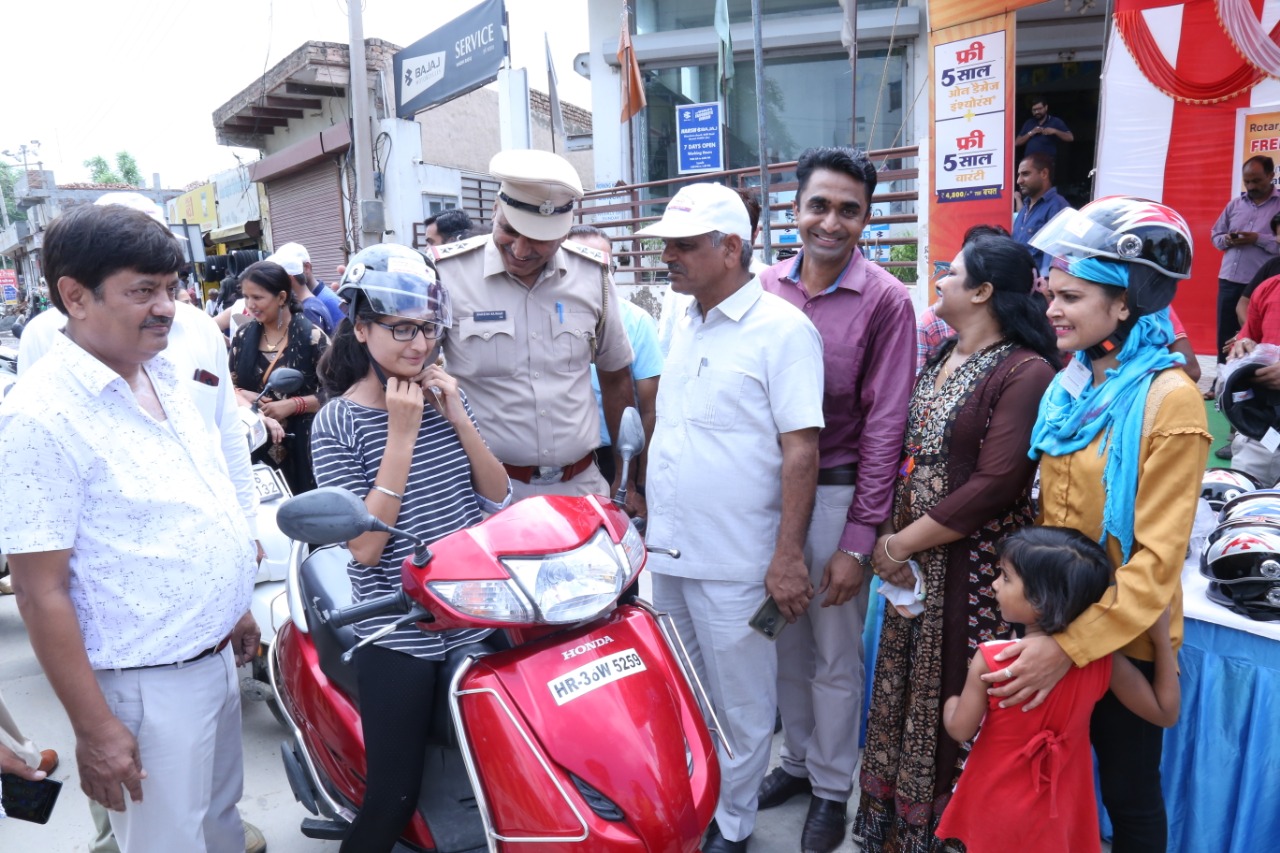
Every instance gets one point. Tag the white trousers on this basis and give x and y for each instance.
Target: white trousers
(739, 668)
(187, 723)
(1252, 458)
(821, 680)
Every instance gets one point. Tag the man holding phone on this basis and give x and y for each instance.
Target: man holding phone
(731, 478)
(1244, 236)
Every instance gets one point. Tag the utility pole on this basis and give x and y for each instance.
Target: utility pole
(361, 138)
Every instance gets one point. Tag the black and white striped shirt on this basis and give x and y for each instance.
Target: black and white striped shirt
(347, 443)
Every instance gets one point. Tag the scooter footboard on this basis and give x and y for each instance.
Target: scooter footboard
(589, 740)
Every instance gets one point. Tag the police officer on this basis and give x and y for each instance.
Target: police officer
(531, 314)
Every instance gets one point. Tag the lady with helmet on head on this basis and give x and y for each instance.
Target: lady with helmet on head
(398, 432)
(1122, 440)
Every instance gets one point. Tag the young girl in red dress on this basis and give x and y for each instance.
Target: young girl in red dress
(1028, 783)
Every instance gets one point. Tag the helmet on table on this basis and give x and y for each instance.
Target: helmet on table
(1260, 502)
(395, 281)
(1222, 484)
(1243, 568)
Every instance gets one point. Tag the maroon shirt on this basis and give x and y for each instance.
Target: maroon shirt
(868, 330)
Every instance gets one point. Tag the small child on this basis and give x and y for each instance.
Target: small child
(1028, 782)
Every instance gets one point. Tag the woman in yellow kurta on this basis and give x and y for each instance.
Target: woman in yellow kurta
(1123, 440)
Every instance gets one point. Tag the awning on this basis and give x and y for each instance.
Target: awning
(250, 229)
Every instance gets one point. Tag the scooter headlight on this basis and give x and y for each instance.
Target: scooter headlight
(575, 585)
(633, 546)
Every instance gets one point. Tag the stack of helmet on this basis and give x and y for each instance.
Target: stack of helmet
(1241, 558)
(1221, 485)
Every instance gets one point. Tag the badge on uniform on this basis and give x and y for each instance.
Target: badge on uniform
(489, 316)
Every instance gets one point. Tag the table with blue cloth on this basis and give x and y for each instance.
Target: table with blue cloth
(1221, 766)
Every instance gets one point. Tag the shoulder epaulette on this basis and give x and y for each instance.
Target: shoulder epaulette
(452, 250)
(586, 252)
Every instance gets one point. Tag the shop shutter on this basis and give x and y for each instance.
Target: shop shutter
(306, 208)
(478, 195)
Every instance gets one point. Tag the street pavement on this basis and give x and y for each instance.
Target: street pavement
(268, 801)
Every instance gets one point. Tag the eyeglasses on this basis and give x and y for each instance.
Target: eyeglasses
(405, 332)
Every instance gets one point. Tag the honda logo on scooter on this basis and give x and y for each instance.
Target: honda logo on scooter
(588, 646)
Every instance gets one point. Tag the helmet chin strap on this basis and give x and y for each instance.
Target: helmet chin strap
(382, 374)
(1112, 342)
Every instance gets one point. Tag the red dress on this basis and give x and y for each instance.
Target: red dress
(1028, 783)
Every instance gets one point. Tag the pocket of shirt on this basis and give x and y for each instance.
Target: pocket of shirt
(842, 363)
(572, 339)
(489, 347)
(712, 398)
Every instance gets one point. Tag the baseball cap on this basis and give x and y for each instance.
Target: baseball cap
(537, 192)
(700, 209)
(291, 256)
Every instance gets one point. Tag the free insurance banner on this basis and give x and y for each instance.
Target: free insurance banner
(971, 132)
(699, 138)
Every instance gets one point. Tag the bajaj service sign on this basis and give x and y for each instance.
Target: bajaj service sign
(462, 55)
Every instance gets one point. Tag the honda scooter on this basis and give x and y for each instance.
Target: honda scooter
(576, 726)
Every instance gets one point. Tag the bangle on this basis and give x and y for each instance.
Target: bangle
(299, 405)
(387, 492)
(890, 556)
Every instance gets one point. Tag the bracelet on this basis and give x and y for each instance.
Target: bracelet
(299, 405)
(890, 556)
(388, 492)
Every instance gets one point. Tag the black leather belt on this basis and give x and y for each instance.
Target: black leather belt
(212, 650)
(840, 475)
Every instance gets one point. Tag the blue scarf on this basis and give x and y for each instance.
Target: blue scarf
(1115, 410)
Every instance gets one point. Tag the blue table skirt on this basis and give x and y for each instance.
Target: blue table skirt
(1221, 767)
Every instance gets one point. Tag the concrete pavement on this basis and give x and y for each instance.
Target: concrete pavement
(267, 801)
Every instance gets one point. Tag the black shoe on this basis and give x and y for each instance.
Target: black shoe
(720, 844)
(1223, 452)
(780, 786)
(823, 827)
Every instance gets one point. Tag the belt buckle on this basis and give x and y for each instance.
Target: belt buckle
(545, 475)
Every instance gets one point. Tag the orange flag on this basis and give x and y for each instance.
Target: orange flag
(633, 100)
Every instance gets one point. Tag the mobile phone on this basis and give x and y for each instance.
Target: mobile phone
(768, 619)
(27, 800)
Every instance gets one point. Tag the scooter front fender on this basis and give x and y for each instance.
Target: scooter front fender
(561, 730)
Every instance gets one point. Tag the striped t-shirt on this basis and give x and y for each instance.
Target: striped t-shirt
(347, 443)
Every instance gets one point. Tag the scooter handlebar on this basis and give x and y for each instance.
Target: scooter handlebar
(392, 604)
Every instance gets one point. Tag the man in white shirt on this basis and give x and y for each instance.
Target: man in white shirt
(131, 558)
(732, 476)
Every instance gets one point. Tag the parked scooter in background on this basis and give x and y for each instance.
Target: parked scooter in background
(268, 604)
(575, 727)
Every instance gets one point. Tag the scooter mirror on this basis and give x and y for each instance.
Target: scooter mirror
(284, 381)
(630, 434)
(325, 516)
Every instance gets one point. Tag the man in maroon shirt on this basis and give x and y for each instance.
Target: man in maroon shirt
(867, 324)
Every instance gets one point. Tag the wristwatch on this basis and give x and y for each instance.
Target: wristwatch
(864, 559)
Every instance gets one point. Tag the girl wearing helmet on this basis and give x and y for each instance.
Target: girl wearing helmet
(398, 432)
(1122, 438)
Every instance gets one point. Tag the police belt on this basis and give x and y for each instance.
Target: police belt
(541, 475)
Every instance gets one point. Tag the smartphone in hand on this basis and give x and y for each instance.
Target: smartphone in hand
(27, 800)
(768, 619)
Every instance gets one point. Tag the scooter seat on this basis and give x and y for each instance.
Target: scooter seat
(326, 586)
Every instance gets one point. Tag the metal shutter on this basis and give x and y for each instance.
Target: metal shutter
(306, 208)
(478, 195)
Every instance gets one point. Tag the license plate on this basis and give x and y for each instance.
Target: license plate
(594, 675)
(264, 479)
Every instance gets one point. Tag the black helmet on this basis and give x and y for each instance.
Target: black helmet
(1262, 502)
(1242, 565)
(395, 281)
(1222, 484)
(1151, 237)
(1251, 408)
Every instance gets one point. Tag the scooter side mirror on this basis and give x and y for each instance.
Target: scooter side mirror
(325, 516)
(630, 434)
(284, 381)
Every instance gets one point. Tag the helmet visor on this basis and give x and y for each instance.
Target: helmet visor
(411, 295)
(1074, 236)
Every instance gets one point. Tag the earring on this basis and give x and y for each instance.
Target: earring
(279, 321)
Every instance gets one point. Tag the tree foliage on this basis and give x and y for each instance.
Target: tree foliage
(8, 177)
(125, 172)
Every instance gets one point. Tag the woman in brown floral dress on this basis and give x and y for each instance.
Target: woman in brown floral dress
(964, 484)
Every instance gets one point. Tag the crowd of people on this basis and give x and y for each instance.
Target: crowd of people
(808, 434)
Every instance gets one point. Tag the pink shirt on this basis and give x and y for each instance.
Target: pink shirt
(868, 334)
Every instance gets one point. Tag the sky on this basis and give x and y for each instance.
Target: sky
(89, 77)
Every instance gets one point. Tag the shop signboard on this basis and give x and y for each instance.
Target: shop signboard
(460, 56)
(699, 138)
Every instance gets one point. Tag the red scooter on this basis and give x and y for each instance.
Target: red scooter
(574, 727)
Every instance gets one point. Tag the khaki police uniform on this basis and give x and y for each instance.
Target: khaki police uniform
(523, 356)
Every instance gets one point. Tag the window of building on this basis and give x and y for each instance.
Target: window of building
(808, 101)
(434, 205)
(655, 16)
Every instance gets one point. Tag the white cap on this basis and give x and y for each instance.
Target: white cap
(700, 209)
(134, 201)
(291, 256)
(537, 193)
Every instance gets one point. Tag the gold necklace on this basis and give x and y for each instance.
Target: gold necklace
(272, 347)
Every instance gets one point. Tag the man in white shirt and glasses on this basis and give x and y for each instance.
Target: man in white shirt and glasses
(131, 558)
